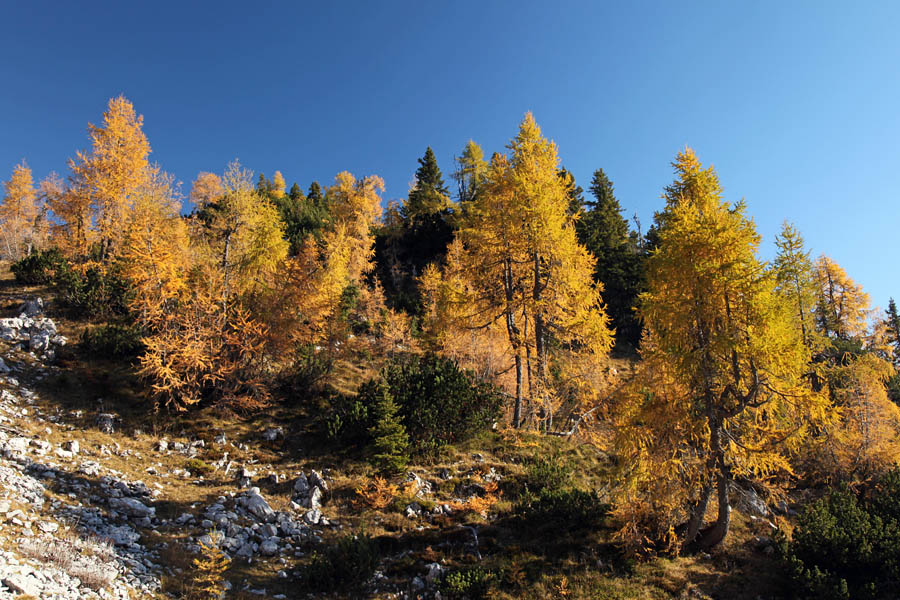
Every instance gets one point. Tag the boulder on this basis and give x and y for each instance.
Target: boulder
(273, 433)
(315, 498)
(269, 547)
(32, 308)
(106, 422)
(123, 535)
(257, 505)
(26, 585)
(301, 486)
(132, 507)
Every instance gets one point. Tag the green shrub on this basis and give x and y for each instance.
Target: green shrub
(473, 583)
(197, 466)
(112, 341)
(570, 508)
(847, 545)
(348, 564)
(548, 472)
(440, 404)
(96, 294)
(349, 421)
(311, 365)
(39, 267)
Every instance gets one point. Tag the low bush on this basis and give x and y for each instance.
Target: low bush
(112, 341)
(548, 472)
(346, 565)
(570, 508)
(440, 404)
(348, 420)
(473, 583)
(98, 293)
(437, 403)
(39, 267)
(847, 545)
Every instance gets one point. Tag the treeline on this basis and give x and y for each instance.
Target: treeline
(752, 374)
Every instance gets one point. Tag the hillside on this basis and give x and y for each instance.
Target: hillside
(102, 499)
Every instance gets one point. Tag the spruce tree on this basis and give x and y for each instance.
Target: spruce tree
(430, 195)
(296, 193)
(263, 186)
(893, 324)
(604, 232)
(426, 229)
(315, 195)
(390, 442)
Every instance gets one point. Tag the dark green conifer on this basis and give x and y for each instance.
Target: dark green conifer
(390, 442)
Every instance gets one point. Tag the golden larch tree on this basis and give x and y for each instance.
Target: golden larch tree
(113, 171)
(852, 365)
(518, 262)
(720, 396)
(19, 212)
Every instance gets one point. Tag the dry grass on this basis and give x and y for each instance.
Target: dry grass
(89, 559)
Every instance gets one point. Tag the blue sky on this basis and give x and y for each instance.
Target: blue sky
(797, 104)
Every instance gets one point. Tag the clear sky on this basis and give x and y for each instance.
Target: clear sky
(797, 104)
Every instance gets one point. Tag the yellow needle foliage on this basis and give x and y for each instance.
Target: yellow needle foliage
(109, 176)
(852, 366)
(19, 213)
(720, 395)
(517, 264)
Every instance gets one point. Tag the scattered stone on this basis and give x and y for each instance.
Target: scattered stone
(106, 422)
(26, 585)
(272, 434)
(72, 446)
(48, 526)
(32, 308)
(132, 507)
(256, 504)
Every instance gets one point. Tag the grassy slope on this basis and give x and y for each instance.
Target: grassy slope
(532, 561)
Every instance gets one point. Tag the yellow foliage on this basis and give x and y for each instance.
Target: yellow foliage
(517, 265)
(210, 570)
(865, 441)
(378, 494)
(19, 213)
(721, 394)
(107, 178)
(207, 188)
(278, 185)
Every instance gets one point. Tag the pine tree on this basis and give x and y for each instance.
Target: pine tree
(892, 321)
(390, 442)
(263, 186)
(842, 307)
(517, 261)
(315, 194)
(424, 231)
(278, 185)
(605, 233)
(210, 569)
(471, 169)
(429, 195)
(296, 193)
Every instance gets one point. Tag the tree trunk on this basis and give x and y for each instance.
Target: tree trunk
(513, 333)
(715, 534)
(696, 520)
